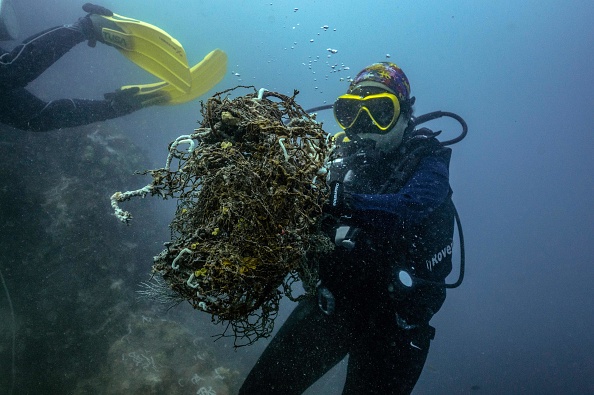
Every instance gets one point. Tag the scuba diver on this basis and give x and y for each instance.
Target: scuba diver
(391, 216)
(146, 45)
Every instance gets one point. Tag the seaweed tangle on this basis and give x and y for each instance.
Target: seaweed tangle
(250, 183)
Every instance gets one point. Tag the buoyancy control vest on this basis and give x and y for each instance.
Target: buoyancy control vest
(368, 261)
(405, 284)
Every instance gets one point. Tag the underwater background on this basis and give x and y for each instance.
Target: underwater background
(519, 73)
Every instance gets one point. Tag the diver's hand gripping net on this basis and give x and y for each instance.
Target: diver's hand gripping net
(250, 184)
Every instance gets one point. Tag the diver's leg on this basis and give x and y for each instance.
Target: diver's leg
(387, 359)
(307, 345)
(31, 58)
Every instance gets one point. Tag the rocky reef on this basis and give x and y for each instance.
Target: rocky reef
(159, 356)
(72, 271)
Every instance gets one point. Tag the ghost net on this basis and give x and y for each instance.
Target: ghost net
(250, 184)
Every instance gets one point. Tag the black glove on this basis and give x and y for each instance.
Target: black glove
(340, 201)
(86, 25)
(96, 9)
(125, 101)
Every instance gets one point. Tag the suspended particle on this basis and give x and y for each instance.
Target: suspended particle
(325, 27)
(332, 50)
(387, 56)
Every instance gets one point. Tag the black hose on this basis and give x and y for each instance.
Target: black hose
(319, 108)
(462, 255)
(438, 114)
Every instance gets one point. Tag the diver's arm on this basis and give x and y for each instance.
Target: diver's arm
(23, 110)
(31, 58)
(66, 113)
(426, 190)
(424, 194)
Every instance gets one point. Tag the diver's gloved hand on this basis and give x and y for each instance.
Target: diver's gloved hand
(96, 9)
(125, 101)
(90, 24)
(340, 200)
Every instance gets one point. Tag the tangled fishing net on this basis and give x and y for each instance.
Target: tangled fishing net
(250, 184)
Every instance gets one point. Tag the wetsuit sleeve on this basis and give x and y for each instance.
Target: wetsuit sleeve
(31, 58)
(426, 190)
(24, 111)
(21, 109)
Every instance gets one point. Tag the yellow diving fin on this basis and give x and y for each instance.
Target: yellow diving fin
(204, 76)
(150, 47)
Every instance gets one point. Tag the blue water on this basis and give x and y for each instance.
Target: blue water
(521, 75)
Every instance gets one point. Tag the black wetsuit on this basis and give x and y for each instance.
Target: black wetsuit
(384, 329)
(23, 110)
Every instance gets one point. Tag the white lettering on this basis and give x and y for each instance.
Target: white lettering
(335, 197)
(437, 258)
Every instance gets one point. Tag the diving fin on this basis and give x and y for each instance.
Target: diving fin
(203, 76)
(150, 47)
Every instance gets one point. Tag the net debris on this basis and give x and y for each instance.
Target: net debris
(250, 183)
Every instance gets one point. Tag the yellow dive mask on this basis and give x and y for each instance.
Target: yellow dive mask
(382, 108)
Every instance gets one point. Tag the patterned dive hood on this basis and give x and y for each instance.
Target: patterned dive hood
(387, 74)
